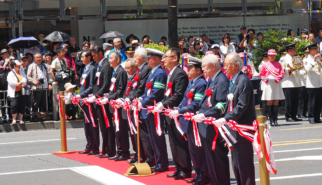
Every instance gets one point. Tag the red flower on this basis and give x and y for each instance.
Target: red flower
(148, 85)
(136, 78)
(190, 95)
(208, 92)
(129, 84)
(170, 84)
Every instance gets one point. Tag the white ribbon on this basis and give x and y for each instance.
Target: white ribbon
(116, 120)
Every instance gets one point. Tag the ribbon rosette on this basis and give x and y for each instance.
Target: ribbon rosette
(149, 86)
(112, 87)
(85, 100)
(126, 106)
(189, 96)
(101, 103)
(135, 107)
(98, 74)
(209, 94)
(75, 101)
(188, 116)
(136, 79)
(169, 90)
(128, 88)
(230, 97)
(60, 110)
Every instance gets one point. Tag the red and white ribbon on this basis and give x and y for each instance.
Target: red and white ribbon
(136, 79)
(188, 116)
(135, 106)
(176, 121)
(269, 156)
(149, 86)
(190, 97)
(156, 119)
(231, 103)
(75, 101)
(169, 90)
(100, 102)
(126, 107)
(209, 94)
(98, 74)
(128, 88)
(113, 104)
(112, 87)
(83, 82)
(60, 110)
(85, 100)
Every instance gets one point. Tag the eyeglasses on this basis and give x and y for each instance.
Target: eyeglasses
(165, 57)
(127, 68)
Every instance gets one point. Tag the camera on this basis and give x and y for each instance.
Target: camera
(41, 81)
(248, 36)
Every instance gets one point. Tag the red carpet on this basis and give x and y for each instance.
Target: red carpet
(121, 167)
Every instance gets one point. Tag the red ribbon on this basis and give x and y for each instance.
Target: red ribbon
(188, 116)
(75, 101)
(178, 124)
(60, 110)
(99, 102)
(209, 94)
(85, 100)
(135, 105)
(189, 96)
(116, 116)
(209, 121)
(128, 88)
(169, 90)
(156, 119)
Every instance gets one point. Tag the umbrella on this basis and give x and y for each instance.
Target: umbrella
(58, 36)
(111, 34)
(23, 42)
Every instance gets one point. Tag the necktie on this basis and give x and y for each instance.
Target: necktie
(210, 81)
(84, 71)
(137, 73)
(113, 72)
(230, 85)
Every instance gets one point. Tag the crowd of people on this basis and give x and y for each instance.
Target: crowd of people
(123, 87)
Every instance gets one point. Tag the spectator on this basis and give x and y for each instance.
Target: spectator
(161, 43)
(136, 44)
(30, 58)
(16, 80)
(32, 50)
(215, 49)
(225, 46)
(208, 41)
(304, 34)
(92, 44)
(24, 67)
(164, 38)
(260, 36)
(290, 33)
(252, 43)
(318, 39)
(4, 70)
(48, 58)
(311, 37)
(78, 60)
(107, 48)
(241, 38)
(117, 47)
(71, 109)
(70, 64)
(128, 40)
(191, 50)
(39, 76)
(72, 48)
(150, 41)
(145, 40)
(181, 42)
(59, 64)
(55, 46)
(191, 40)
(196, 47)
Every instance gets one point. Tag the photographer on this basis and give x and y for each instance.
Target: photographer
(40, 78)
(59, 69)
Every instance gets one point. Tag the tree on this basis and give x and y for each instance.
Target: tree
(172, 23)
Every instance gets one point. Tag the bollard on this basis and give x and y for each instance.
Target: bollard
(263, 173)
(55, 101)
(63, 127)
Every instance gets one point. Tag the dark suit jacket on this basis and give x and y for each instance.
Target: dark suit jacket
(220, 87)
(244, 108)
(143, 76)
(120, 85)
(131, 91)
(79, 64)
(105, 79)
(87, 88)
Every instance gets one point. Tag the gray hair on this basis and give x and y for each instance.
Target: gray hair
(117, 55)
(211, 59)
(235, 58)
(116, 40)
(141, 52)
(131, 61)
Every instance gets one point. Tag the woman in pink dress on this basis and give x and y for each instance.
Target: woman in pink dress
(272, 73)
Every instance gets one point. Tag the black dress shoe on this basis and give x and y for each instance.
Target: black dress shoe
(160, 169)
(114, 157)
(104, 156)
(194, 179)
(201, 182)
(122, 158)
(93, 153)
(311, 122)
(182, 175)
(297, 119)
(300, 116)
(150, 162)
(97, 155)
(133, 160)
(84, 152)
(177, 172)
(289, 120)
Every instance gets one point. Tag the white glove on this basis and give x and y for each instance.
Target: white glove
(104, 101)
(174, 114)
(92, 99)
(159, 108)
(140, 106)
(127, 99)
(271, 78)
(119, 103)
(78, 96)
(199, 118)
(140, 99)
(220, 122)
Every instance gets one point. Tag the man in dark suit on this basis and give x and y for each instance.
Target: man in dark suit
(190, 103)
(154, 92)
(78, 60)
(243, 112)
(176, 86)
(117, 90)
(217, 160)
(101, 82)
(86, 88)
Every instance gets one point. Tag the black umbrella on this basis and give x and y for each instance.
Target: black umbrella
(58, 36)
(111, 34)
(23, 42)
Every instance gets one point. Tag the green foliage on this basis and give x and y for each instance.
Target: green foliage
(276, 40)
(199, 56)
(164, 49)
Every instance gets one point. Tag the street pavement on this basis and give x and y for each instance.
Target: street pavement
(25, 157)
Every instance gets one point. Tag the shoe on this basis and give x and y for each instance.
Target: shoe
(275, 114)
(14, 122)
(201, 182)
(93, 153)
(104, 156)
(114, 157)
(177, 172)
(296, 119)
(122, 158)
(311, 122)
(21, 122)
(84, 152)
(160, 169)
(150, 162)
(300, 116)
(194, 179)
(270, 115)
(182, 175)
(318, 121)
(133, 160)
(289, 120)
